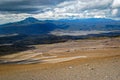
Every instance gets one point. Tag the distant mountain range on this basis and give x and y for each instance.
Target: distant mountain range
(32, 26)
(20, 36)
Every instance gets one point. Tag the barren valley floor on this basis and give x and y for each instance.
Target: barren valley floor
(90, 59)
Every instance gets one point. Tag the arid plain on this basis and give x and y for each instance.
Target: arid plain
(89, 59)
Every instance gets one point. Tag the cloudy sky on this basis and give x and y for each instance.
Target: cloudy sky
(15, 10)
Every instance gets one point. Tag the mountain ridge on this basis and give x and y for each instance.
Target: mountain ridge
(32, 25)
(31, 20)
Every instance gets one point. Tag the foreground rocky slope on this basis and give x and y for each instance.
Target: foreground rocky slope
(90, 59)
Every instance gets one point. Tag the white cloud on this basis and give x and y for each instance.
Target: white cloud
(114, 12)
(79, 9)
(72, 9)
(78, 5)
(116, 4)
(6, 18)
(115, 9)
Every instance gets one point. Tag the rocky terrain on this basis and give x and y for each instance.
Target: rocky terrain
(89, 59)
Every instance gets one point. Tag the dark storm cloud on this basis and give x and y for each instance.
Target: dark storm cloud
(26, 6)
